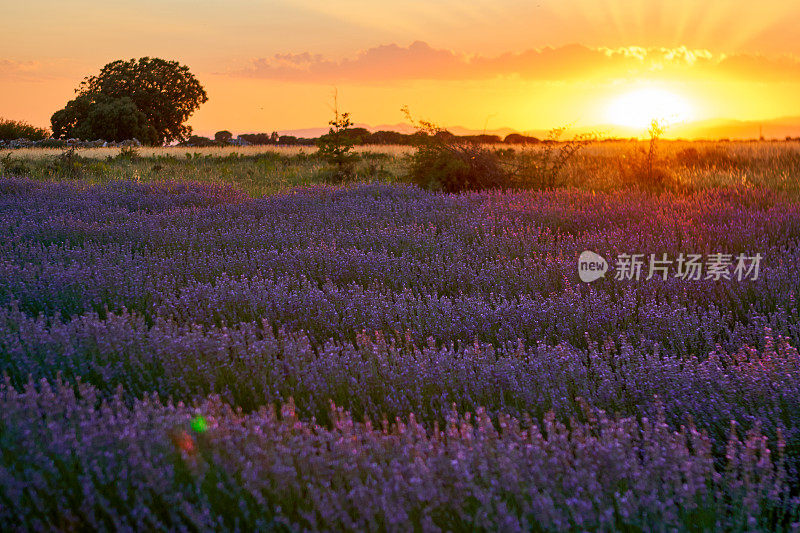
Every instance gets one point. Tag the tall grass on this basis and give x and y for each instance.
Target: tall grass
(266, 170)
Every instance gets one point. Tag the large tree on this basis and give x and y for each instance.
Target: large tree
(165, 92)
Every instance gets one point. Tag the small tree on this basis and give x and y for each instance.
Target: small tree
(337, 147)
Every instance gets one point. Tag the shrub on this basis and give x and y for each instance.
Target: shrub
(357, 135)
(68, 165)
(452, 165)
(542, 167)
(128, 153)
(445, 162)
(15, 166)
(291, 140)
(17, 129)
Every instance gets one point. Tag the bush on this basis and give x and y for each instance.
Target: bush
(128, 153)
(67, 165)
(542, 167)
(223, 136)
(15, 166)
(449, 163)
(452, 165)
(17, 129)
(445, 162)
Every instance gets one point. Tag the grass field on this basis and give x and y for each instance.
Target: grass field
(193, 342)
(266, 170)
(258, 171)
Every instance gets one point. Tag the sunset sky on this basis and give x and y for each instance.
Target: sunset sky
(481, 64)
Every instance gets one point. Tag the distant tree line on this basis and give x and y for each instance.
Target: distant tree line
(355, 136)
(18, 129)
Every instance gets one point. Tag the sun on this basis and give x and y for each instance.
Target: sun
(637, 109)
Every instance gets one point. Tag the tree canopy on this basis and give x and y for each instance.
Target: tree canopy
(164, 92)
(103, 117)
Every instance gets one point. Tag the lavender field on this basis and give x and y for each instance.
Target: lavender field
(377, 357)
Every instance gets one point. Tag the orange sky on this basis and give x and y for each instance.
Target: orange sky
(500, 63)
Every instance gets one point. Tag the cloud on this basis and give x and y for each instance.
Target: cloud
(417, 61)
(10, 68)
(37, 71)
(420, 61)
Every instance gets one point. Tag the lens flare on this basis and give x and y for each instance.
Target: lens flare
(199, 424)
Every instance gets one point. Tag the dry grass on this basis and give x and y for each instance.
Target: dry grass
(213, 151)
(746, 149)
(268, 169)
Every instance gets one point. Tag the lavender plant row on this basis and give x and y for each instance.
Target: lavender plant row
(79, 462)
(392, 303)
